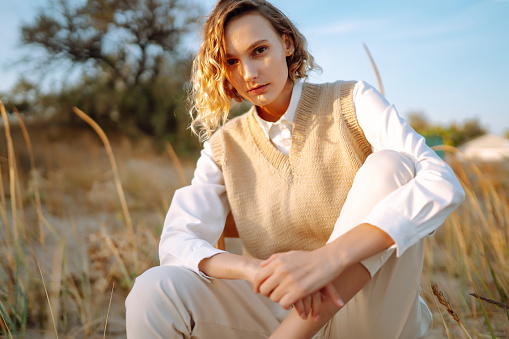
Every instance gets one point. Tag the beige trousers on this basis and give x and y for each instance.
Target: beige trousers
(174, 302)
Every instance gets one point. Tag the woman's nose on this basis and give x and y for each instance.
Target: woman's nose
(250, 71)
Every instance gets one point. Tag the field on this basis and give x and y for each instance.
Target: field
(80, 220)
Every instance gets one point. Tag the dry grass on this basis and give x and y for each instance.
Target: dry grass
(63, 203)
(81, 205)
(469, 253)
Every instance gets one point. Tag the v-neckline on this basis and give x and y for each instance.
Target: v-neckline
(286, 164)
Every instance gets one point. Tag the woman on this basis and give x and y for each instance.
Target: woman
(331, 191)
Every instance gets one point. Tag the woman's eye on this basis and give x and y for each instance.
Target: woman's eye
(231, 62)
(260, 50)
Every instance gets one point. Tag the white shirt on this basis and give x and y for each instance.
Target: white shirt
(198, 212)
(280, 132)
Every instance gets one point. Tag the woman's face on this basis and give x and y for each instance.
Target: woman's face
(256, 63)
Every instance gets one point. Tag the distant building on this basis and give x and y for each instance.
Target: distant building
(488, 147)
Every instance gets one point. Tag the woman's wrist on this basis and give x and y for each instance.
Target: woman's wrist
(250, 266)
(361, 242)
(229, 266)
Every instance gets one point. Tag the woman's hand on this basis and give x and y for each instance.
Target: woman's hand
(312, 304)
(288, 278)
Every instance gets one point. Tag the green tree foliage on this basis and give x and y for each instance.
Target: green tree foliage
(453, 134)
(131, 40)
(131, 58)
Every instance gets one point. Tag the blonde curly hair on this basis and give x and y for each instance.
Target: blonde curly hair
(212, 95)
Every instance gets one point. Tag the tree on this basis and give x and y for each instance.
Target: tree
(453, 134)
(418, 121)
(129, 39)
(125, 49)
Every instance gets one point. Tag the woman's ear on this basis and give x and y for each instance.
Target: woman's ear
(289, 45)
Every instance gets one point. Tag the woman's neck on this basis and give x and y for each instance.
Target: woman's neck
(276, 109)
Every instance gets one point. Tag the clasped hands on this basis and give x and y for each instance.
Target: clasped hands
(299, 278)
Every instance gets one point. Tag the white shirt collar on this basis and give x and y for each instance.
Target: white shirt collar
(289, 115)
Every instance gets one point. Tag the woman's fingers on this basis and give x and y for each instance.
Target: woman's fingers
(302, 307)
(299, 307)
(269, 288)
(333, 295)
(261, 277)
(316, 304)
(307, 305)
(269, 260)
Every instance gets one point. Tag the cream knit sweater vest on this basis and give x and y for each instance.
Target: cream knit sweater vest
(282, 203)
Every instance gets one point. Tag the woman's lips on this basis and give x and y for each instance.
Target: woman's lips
(259, 89)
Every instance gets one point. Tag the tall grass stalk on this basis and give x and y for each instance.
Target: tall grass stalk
(56, 280)
(442, 300)
(118, 258)
(3, 203)
(178, 165)
(12, 171)
(108, 313)
(440, 312)
(37, 194)
(15, 309)
(487, 320)
(4, 325)
(48, 299)
(375, 69)
(116, 176)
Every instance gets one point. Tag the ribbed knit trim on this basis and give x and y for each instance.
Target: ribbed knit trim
(281, 161)
(278, 159)
(216, 145)
(348, 110)
(300, 127)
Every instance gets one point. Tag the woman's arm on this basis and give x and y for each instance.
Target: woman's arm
(230, 266)
(291, 276)
(349, 283)
(196, 217)
(297, 274)
(424, 203)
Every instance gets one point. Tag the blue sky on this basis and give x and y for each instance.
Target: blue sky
(448, 59)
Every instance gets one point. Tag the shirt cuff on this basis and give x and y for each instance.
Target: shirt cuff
(194, 259)
(401, 229)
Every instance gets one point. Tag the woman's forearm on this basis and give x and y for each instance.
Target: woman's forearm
(347, 284)
(360, 243)
(341, 257)
(230, 266)
(291, 276)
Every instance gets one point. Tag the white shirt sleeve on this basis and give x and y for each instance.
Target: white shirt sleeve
(418, 208)
(196, 217)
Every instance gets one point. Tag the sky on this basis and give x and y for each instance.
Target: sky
(448, 59)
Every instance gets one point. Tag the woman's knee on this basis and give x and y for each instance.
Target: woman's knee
(158, 303)
(388, 167)
(160, 283)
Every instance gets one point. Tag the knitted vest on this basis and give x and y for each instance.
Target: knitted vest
(282, 203)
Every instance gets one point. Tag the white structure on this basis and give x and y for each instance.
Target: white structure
(488, 147)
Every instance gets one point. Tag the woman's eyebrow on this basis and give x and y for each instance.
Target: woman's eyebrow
(253, 45)
(258, 42)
